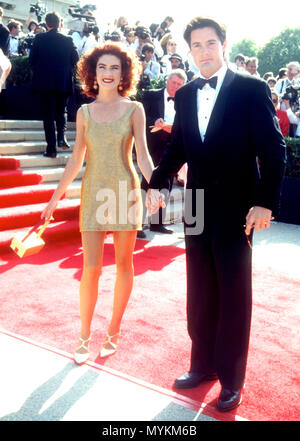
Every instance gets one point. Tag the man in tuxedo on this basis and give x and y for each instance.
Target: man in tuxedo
(226, 130)
(53, 57)
(159, 110)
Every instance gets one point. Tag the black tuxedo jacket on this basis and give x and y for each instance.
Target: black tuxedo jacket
(4, 39)
(241, 162)
(53, 57)
(154, 106)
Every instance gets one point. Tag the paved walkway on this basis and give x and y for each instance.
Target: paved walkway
(39, 383)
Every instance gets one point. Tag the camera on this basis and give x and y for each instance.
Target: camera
(292, 94)
(142, 33)
(114, 36)
(39, 9)
(25, 44)
(84, 18)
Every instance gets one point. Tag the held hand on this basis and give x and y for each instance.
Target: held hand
(159, 123)
(258, 218)
(154, 200)
(48, 211)
(167, 128)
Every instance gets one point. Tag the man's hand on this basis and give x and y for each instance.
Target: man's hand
(154, 200)
(258, 218)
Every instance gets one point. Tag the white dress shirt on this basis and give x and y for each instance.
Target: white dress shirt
(206, 99)
(169, 109)
(13, 45)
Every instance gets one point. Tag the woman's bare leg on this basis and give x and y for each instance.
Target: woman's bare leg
(124, 242)
(93, 244)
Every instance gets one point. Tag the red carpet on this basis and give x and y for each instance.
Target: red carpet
(15, 178)
(39, 300)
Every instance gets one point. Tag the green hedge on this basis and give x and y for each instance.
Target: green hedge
(293, 157)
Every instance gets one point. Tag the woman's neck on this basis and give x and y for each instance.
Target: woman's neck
(107, 97)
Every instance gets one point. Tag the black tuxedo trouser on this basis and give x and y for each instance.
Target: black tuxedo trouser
(219, 302)
(54, 111)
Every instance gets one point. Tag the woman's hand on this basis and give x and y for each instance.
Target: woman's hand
(49, 210)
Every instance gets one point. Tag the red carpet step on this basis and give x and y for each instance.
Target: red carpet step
(9, 164)
(29, 215)
(25, 195)
(55, 232)
(15, 178)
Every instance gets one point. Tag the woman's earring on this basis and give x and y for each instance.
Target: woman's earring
(120, 88)
(95, 84)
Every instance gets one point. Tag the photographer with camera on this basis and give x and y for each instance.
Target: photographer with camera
(53, 58)
(158, 31)
(143, 35)
(294, 118)
(288, 90)
(150, 68)
(293, 69)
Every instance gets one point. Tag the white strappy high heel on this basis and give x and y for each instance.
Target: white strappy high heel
(81, 358)
(105, 352)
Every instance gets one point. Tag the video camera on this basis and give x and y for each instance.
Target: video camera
(39, 9)
(84, 18)
(292, 94)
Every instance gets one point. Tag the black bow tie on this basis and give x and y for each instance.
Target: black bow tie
(170, 98)
(211, 81)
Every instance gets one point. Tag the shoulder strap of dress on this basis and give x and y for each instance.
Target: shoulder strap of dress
(85, 112)
(133, 106)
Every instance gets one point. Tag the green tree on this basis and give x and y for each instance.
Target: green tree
(279, 51)
(245, 47)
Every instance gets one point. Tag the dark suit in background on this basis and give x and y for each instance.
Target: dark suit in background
(53, 57)
(4, 39)
(154, 106)
(242, 128)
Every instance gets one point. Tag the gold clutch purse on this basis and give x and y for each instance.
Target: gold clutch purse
(29, 243)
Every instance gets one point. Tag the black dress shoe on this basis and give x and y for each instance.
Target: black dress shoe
(193, 379)
(49, 155)
(229, 399)
(141, 234)
(160, 229)
(62, 144)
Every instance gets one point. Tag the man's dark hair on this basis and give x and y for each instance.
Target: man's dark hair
(240, 57)
(52, 20)
(147, 47)
(282, 72)
(204, 22)
(13, 24)
(252, 60)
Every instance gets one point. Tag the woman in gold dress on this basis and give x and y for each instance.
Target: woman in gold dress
(110, 193)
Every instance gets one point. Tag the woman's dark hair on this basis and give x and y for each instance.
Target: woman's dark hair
(31, 23)
(130, 66)
(204, 22)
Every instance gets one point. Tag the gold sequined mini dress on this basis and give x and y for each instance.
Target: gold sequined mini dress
(110, 191)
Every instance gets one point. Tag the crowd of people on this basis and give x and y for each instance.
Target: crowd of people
(157, 49)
